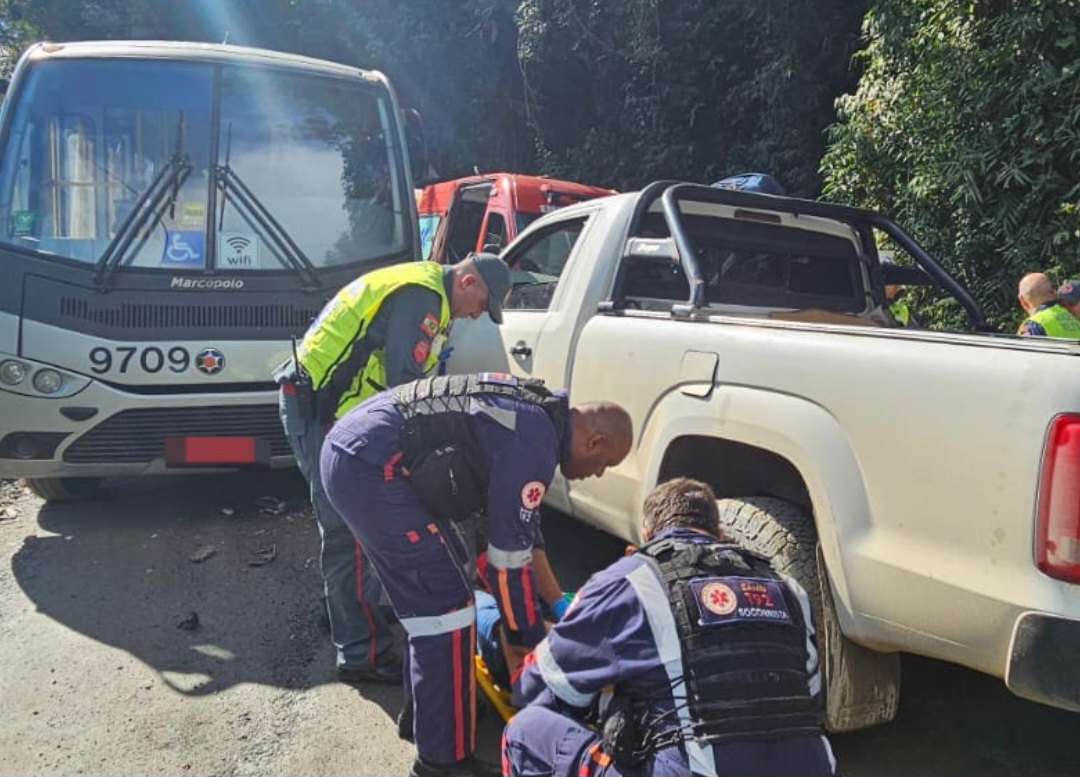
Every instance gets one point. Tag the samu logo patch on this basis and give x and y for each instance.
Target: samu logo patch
(532, 495)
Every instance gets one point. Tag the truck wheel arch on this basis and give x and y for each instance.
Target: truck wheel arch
(749, 441)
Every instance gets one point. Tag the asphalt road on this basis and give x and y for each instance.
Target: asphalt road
(172, 627)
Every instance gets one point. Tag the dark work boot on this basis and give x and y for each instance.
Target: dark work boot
(467, 767)
(386, 672)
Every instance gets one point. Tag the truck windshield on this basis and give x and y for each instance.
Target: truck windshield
(314, 153)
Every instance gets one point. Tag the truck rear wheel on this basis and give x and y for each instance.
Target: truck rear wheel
(64, 489)
(862, 686)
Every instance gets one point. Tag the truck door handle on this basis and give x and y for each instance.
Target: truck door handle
(521, 349)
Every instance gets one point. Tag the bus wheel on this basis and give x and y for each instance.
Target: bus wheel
(64, 489)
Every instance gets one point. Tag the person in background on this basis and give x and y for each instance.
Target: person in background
(402, 466)
(381, 330)
(1068, 296)
(1045, 316)
(689, 657)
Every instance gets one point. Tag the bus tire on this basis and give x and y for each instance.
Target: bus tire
(862, 686)
(64, 489)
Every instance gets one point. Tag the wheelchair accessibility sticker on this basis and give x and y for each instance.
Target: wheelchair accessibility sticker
(184, 249)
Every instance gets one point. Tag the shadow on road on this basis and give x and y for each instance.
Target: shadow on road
(157, 568)
(956, 721)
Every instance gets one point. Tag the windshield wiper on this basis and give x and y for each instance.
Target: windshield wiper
(235, 192)
(148, 208)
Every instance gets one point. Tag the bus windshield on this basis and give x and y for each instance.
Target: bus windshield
(259, 169)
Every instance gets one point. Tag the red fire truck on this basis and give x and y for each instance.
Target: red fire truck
(485, 212)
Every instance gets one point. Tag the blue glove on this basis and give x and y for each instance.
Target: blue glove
(559, 608)
(443, 358)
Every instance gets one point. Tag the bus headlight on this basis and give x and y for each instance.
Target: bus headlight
(48, 381)
(34, 379)
(12, 372)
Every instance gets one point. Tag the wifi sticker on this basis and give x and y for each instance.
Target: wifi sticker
(237, 251)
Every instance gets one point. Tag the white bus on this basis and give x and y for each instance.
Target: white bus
(171, 214)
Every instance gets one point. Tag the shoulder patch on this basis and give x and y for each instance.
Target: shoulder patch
(532, 494)
(420, 351)
(430, 325)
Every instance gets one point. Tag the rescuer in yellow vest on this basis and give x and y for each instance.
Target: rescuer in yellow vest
(381, 330)
(1046, 317)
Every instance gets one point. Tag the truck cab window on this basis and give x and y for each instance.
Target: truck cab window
(464, 228)
(495, 231)
(758, 265)
(537, 266)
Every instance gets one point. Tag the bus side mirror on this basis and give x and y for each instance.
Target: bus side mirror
(416, 140)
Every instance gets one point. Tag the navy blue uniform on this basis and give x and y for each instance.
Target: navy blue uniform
(620, 632)
(421, 564)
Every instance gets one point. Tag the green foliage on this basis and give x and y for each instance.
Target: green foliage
(457, 63)
(627, 91)
(966, 128)
(16, 33)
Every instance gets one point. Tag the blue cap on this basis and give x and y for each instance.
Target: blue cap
(751, 182)
(1069, 292)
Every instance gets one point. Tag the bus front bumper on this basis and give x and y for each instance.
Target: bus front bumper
(102, 432)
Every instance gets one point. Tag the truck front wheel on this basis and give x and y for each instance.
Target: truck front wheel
(862, 686)
(64, 489)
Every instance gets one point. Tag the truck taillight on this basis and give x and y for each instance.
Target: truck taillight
(1057, 532)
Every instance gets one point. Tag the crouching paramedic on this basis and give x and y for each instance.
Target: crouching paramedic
(381, 330)
(690, 656)
(404, 464)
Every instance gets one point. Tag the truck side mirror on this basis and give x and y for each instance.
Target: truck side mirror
(416, 140)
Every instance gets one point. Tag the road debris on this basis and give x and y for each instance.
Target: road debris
(202, 554)
(190, 623)
(263, 556)
(270, 505)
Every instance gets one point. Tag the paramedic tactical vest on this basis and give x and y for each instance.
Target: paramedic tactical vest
(439, 448)
(1057, 322)
(744, 646)
(345, 368)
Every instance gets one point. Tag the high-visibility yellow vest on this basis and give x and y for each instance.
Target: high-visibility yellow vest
(334, 351)
(900, 312)
(1057, 322)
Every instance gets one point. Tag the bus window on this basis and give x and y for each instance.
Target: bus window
(316, 154)
(88, 138)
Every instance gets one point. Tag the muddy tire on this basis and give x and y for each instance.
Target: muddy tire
(64, 489)
(862, 686)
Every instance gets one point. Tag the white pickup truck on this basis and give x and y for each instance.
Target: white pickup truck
(923, 486)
